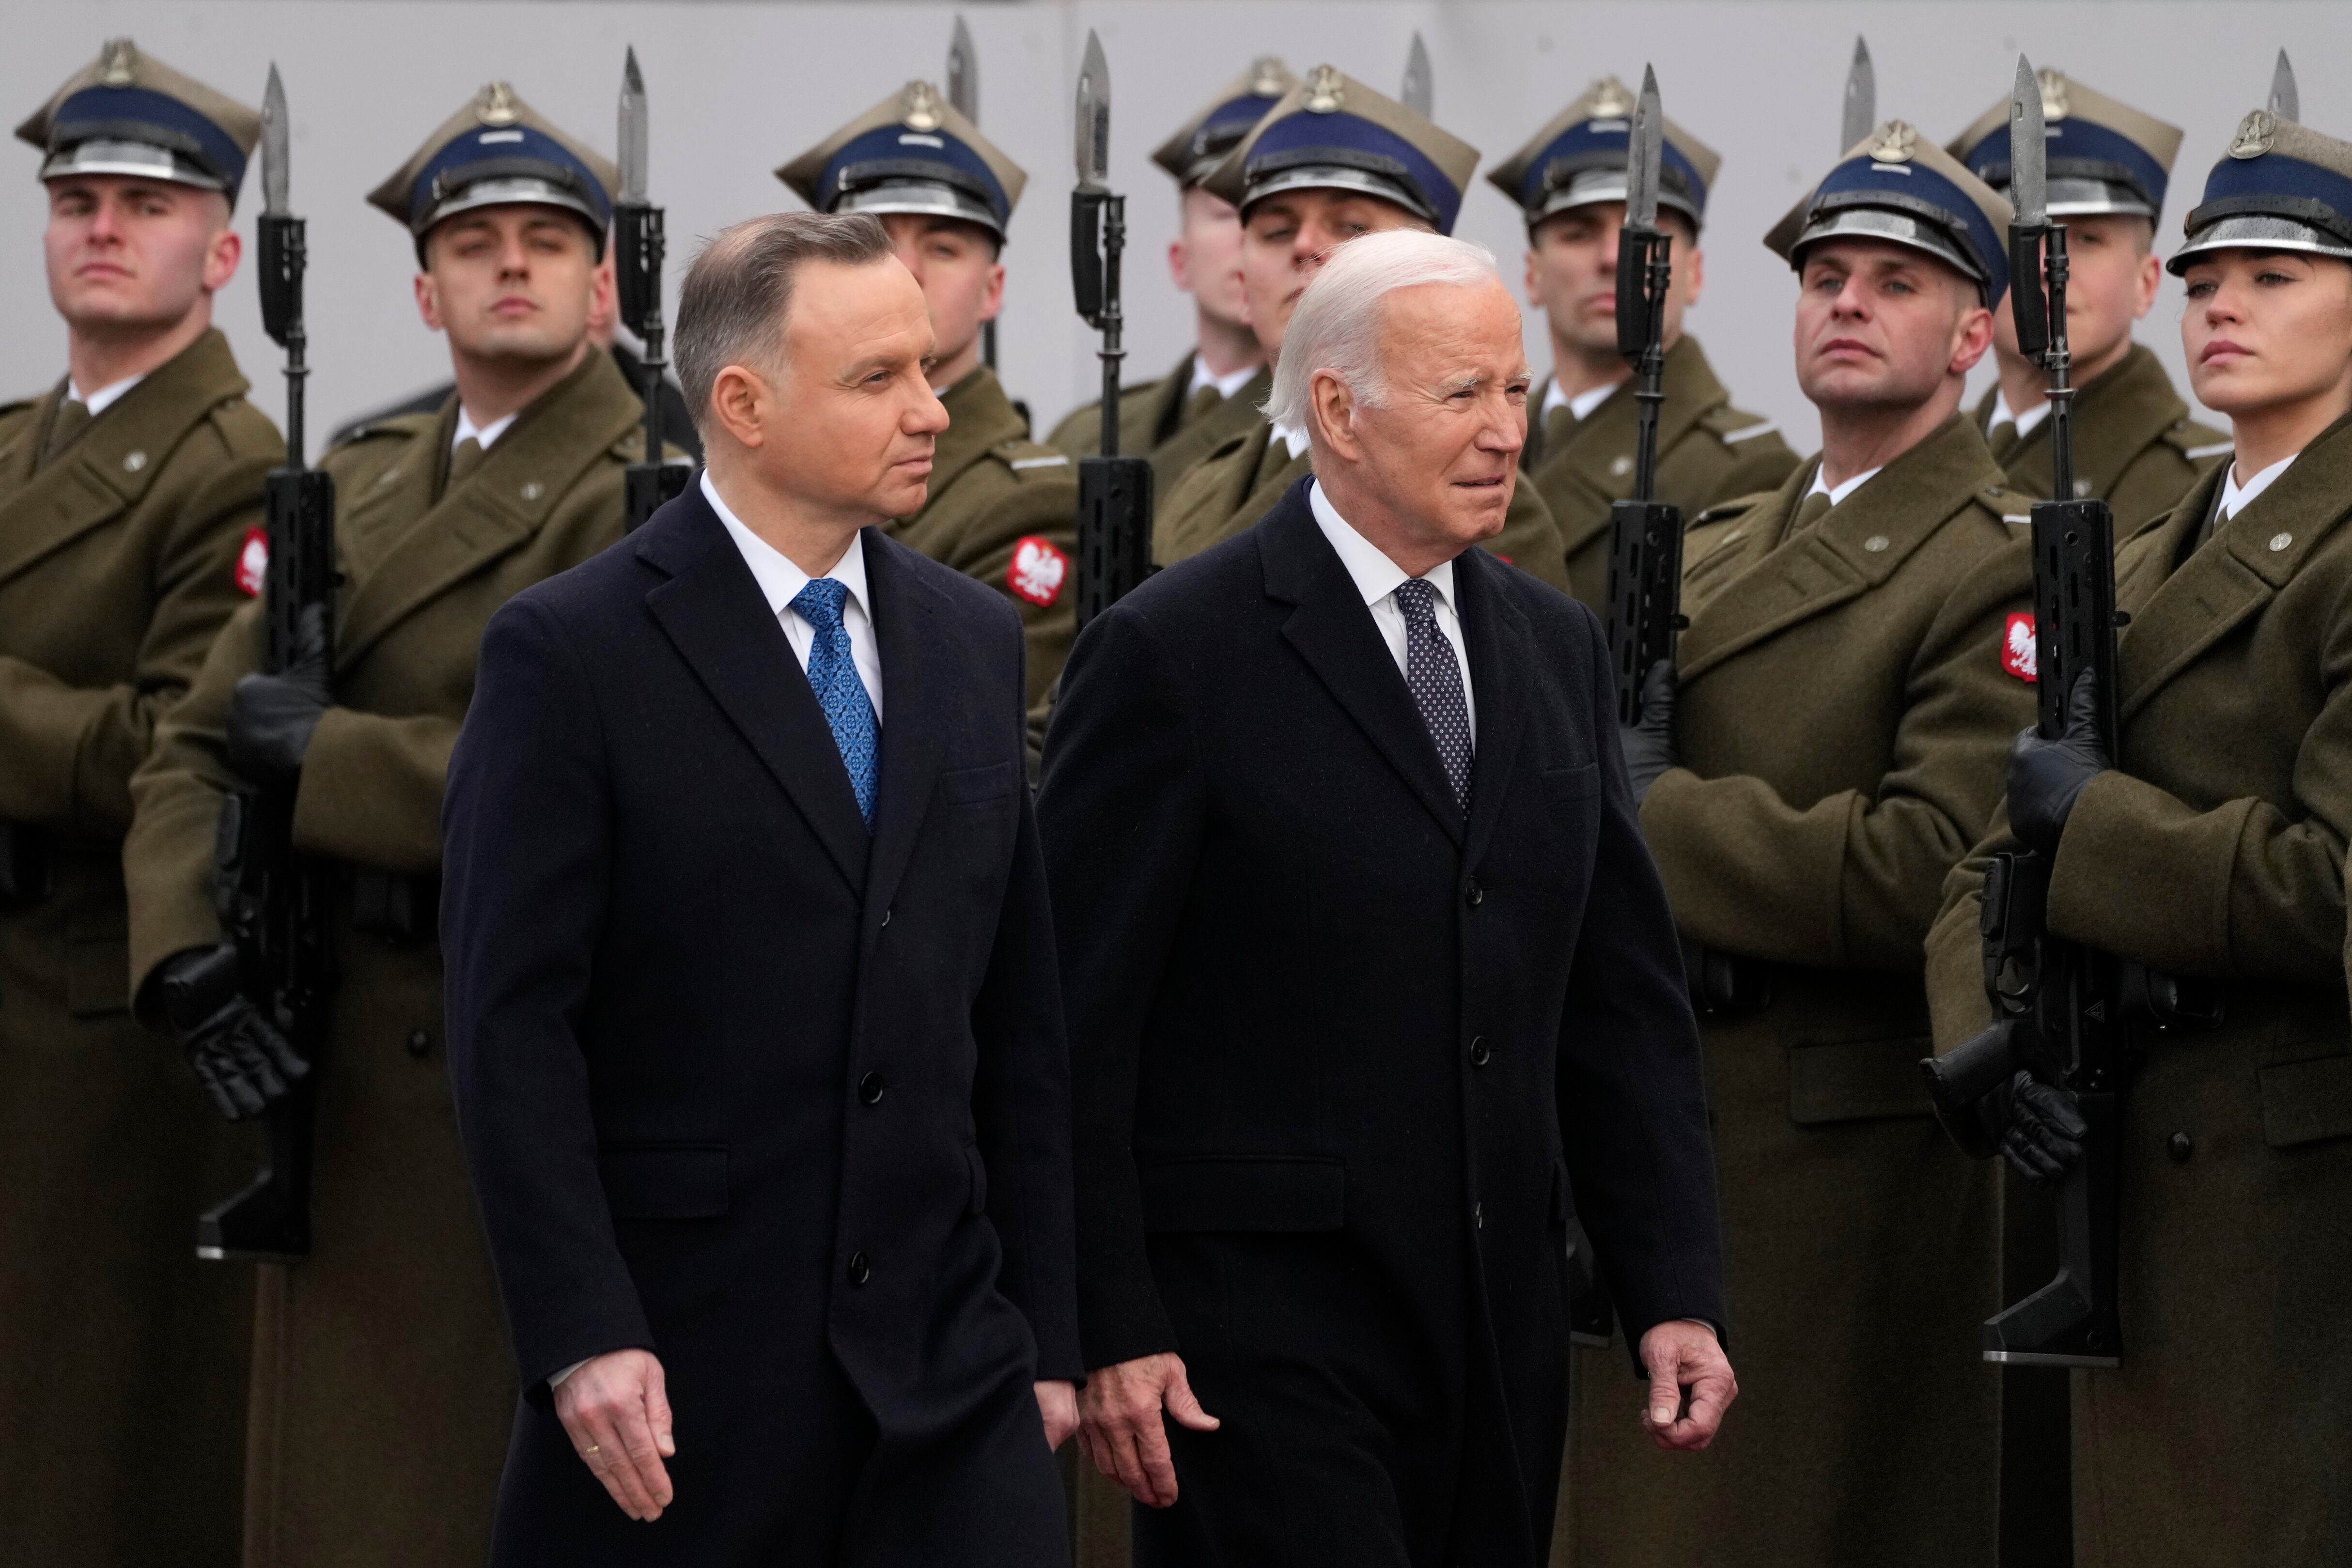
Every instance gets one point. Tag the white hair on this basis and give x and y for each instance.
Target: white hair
(1337, 326)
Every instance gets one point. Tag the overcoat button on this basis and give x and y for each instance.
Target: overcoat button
(2280, 542)
(1479, 1053)
(886, 917)
(532, 490)
(419, 1042)
(870, 1088)
(133, 461)
(860, 1270)
(2180, 1146)
(1621, 465)
(1478, 1215)
(1474, 895)
(1876, 544)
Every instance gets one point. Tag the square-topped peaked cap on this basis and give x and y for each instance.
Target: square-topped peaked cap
(1201, 143)
(1332, 132)
(127, 112)
(2280, 186)
(2103, 156)
(1897, 185)
(1579, 159)
(912, 152)
(497, 150)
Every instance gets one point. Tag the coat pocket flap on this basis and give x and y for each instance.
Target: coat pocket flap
(983, 783)
(1261, 1193)
(1857, 1080)
(2303, 1101)
(664, 1181)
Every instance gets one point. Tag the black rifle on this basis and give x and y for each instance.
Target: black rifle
(277, 905)
(639, 249)
(1114, 492)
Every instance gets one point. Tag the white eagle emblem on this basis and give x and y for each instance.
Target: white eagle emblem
(1037, 570)
(253, 563)
(2017, 649)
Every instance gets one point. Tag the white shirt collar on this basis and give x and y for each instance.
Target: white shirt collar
(1294, 439)
(1581, 405)
(780, 580)
(105, 397)
(482, 435)
(1227, 384)
(2234, 495)
(1375, 575)
(1837, 493)
(2003, 414)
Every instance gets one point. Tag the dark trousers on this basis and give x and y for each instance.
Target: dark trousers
(1343, 1435)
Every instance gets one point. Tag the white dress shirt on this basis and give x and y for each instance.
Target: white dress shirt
(781, 582)
(482, 435)
(105, 397)
(1227, 384)
(2236, 496)
(1581, 405)
(1377, 577)
(2025, 422)
(1837, 493)
(1294, 439)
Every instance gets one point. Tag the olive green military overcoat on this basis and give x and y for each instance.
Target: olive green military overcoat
(2135, 444)
(2216, 849)
(1003, 510)
(1843, 722)
(1708, 452)
(382, 1384)
(1150, 413)
(122, 1357)
(1238, 482)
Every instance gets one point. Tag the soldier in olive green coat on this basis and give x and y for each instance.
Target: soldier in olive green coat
(2211, 846)
(383, 1385)
(1833, 746)
(128, 492)
(1302, 184)
(1002, 509)
(2135, 444)
(1216, 388)
(1570, 182)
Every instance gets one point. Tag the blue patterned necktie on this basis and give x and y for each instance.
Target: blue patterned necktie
(1435, 681)
(833, 675)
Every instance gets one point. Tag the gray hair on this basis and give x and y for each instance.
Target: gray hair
(731, 310)
(1337, 326)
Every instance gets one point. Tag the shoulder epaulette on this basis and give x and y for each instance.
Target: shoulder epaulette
(407, 425)
(1034, 460)
(2196, 442)
(1732, 425)
(1724, 510)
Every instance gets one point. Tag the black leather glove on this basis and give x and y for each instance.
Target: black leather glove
(239, 1056)
(1649, 743)
(2039, 1129)
(2046, 776)
(272, 717)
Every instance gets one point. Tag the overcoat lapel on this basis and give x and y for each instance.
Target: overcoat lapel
(919, 672)
(1495, 638)
(713, 612)
(1334, 632)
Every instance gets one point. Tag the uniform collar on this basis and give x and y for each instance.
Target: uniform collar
(2025, 423)
(2235, 496)
(1226, 384)
(1581, 405)
(105, 397)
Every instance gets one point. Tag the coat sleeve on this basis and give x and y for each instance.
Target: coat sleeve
(527, 871)
(1122, 814)
(370, 789)
(1022, 1099)
(1854, 879)
(72, 750)
(1630, 1085)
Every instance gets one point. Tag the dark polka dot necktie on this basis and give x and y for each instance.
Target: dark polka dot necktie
(833, 675)
(1434, 678)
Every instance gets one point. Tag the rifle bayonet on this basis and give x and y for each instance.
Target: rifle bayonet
(274, 137)
(1093, 121)
(1642, 150)
(633, 134)
(2285, 102)
(963, 74)
(1860, 97)
(1419, 88)
(639, 248)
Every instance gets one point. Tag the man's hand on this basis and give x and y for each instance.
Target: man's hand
(272, 717)
(237, 1054)
(1682, 1355)
(1057, 1403)
(1120, 1428)
(617, 1409)
(2039, 1129)
(2046, 776)
(1648, 743)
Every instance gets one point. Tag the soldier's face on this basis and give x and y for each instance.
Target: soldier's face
(844, 422)
(127, 255)
(955, 266)
(1434, 459)
(1205, 258)
(2268, 330)
(1285, 238)
(1573, 275)
(1882, 326)
(517, 282)
(2112, 276)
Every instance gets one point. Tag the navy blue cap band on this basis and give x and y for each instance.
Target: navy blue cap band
(98, 112)
(1351, 141)
(503, 152)
(1919, 191)
(2277, 185)
(894, 151)
(2077, 150)
(1585, 145)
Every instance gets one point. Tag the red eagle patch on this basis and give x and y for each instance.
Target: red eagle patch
(253, 563)
(2017, 648)
(1037, 573)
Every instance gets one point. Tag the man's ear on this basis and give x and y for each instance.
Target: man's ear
(1972, 336)
(1331, 409)
(428, 301)
(221, 256)
(739, 402)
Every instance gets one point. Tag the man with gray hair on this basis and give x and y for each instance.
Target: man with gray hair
(754, 1023)
(1367, 969)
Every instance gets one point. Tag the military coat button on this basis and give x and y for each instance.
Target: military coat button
(419, 1042)
(2180, 1146)
(1876, 544)
(1479, 1052)
(871, 1088)
(532, 490)
(860, 1269)
(2280, 542)
(1621, 465)
(133, 461)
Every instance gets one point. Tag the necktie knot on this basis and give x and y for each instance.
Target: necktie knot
(819, 602)
(1814, 508)
(1415, 597)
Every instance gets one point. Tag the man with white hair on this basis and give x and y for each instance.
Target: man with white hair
(1366, 969)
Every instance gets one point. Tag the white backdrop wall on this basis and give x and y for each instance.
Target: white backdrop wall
(736, 89)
